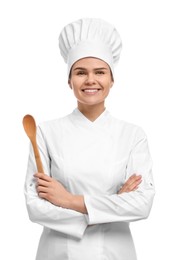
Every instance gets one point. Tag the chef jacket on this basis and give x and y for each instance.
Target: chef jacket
(93, 159)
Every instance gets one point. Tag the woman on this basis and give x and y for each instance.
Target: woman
(97, 168)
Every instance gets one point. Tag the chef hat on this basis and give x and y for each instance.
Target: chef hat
(90, 37)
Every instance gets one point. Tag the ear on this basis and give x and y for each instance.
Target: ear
(112, 83)
(69, 83)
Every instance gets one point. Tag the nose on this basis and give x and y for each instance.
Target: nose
(90, 79)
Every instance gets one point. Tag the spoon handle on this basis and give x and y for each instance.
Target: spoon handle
(37, 156)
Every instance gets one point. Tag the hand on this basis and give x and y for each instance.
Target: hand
(131, 184)
(52, 191)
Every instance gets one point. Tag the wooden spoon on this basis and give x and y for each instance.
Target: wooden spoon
(30, 129)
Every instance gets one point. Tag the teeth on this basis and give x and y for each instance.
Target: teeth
(90, 90)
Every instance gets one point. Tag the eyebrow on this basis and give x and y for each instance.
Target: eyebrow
(82, 68)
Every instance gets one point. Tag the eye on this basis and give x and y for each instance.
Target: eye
(100, 72)
(81, 72)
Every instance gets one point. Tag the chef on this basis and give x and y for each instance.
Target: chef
(98, 169)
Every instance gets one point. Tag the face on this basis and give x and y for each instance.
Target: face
(90, 80)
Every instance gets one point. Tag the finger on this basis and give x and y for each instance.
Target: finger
(120, 191)
(42, 189)
(136, 188)
(131, 187)
(43, 195)
(131, 184)
(43, 183)
(134, 185)
(135, 180)
(132, 176)
(42, 176)
(132, 179)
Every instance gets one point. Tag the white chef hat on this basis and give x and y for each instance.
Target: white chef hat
(90, 37)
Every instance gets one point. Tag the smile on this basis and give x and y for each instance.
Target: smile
(91, 91)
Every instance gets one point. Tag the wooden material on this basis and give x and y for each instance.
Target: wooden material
(30, 129)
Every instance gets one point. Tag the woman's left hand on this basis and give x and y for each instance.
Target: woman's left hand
(131, 184)
(52, 190)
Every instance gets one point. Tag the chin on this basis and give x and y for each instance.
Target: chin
(91, 103)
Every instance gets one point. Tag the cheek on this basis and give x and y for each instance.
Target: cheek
(108, 87)
(107, 92)
(76, 90)
(75, 83)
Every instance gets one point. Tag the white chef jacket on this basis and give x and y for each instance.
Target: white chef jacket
(93, 159)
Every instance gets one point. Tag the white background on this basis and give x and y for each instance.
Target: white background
(33, 80)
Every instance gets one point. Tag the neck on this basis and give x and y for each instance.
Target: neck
(92, 112)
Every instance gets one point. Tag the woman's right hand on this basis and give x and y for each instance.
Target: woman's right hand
(131, 184)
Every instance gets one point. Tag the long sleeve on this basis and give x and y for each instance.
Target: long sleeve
(129, 206)
(43, 212)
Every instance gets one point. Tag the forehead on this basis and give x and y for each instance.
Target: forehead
(90, 63)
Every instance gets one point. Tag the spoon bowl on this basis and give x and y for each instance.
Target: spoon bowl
(29, 125)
